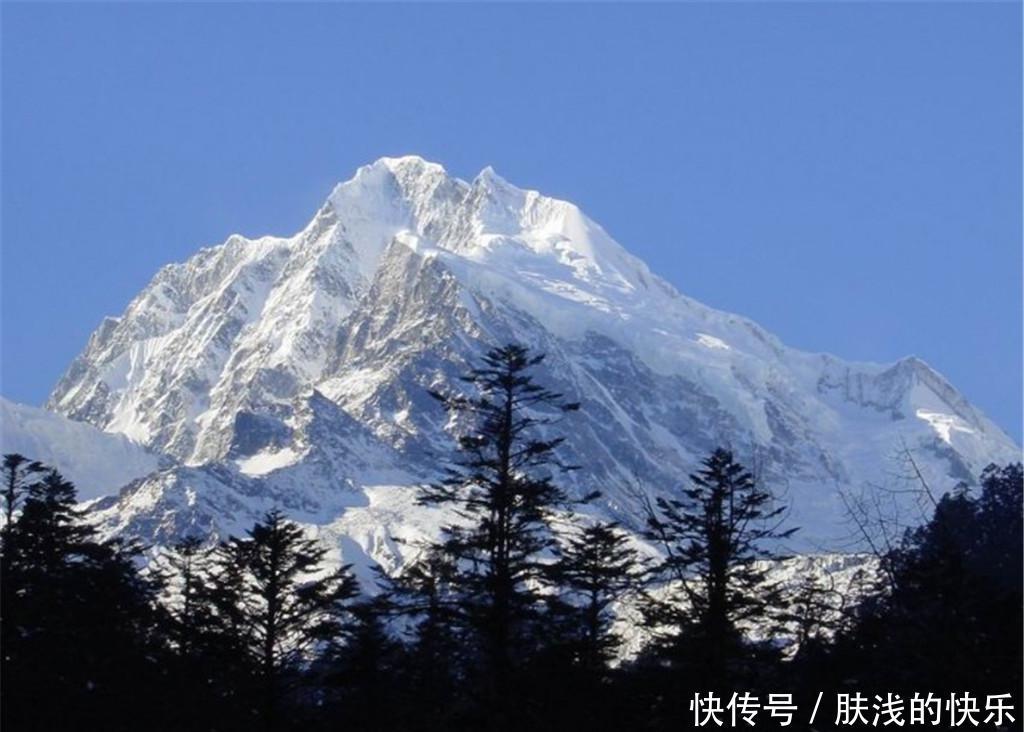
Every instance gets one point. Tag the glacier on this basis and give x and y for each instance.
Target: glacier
(293, 372)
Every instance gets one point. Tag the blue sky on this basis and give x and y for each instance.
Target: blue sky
(848, 175)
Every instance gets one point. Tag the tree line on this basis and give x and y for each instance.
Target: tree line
(509, 619)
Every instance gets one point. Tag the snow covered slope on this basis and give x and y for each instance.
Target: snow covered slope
(97, 462)
(293, 371)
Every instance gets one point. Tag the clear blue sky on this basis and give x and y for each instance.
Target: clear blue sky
(848, 175)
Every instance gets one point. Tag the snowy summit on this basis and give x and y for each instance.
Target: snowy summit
(293, 372)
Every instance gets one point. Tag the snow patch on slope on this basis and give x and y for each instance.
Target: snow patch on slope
(268, 461)
(944, 424)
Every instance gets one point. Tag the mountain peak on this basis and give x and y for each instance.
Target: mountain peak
(406, 163)
(405, 275)
(489, 178)
(404, 177)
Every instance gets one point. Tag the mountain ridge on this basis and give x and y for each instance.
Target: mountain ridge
(237, 359)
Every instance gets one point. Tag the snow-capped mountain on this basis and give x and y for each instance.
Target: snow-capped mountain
(96, 461)
(294, 371)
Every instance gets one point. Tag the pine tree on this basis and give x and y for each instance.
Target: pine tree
(597, 567)
(187, 564)
(950, 619)
(80, 620)
(502, 489)
(50, 528)
(716, 539)
(203, 661)
(362, 673)
(18, 472)
(424, 593)
(271, 599)
(997, 549)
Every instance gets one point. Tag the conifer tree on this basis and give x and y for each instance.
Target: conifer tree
(950, 620)
(501, 487)
(997, 552)
(272, 600)
(203, 661)
(597, 567)
(423, 592)
(716, 538)
(79, 628)
(18, 473)
(187, 564)
(362, 673)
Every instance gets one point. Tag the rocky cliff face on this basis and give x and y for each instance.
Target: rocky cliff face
(293, 371)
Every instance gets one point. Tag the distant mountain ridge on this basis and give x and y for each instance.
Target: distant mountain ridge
(294, 372)
(98, 462)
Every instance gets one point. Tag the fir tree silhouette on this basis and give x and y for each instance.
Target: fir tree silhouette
(597, 567)
(718, 539)
(80, 623)
(274, 602)
(501, 487)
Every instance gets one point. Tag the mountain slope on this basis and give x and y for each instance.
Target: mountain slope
(97, 462)
(294, 371)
